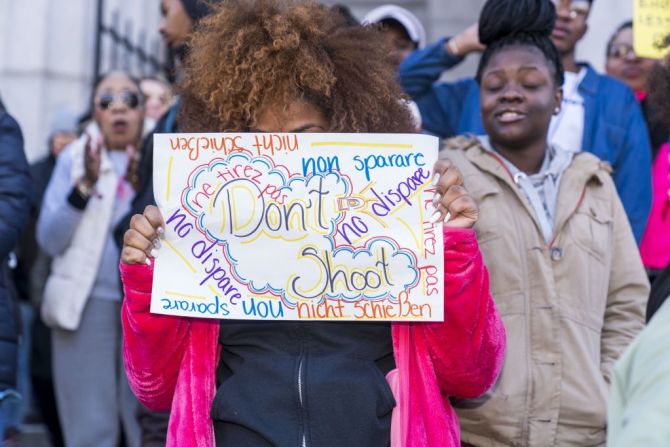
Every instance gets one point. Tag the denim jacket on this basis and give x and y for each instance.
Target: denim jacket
(614, 127)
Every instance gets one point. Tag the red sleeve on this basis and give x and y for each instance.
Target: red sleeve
(468, 349)
(153, 345)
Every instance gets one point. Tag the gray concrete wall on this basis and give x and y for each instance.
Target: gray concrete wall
(44, 61)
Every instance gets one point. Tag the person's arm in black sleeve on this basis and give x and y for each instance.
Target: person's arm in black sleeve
(15, 184)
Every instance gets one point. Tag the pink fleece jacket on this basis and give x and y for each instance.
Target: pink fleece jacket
(655, 246)
(171, 361)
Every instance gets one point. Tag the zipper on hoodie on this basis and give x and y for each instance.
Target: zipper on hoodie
(300, 381)
(301, 394)
(557, 230)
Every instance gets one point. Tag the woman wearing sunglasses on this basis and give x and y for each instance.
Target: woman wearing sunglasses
(90, 190)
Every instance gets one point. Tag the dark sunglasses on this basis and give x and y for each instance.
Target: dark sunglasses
(129, 98)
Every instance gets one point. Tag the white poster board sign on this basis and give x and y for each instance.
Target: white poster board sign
(298, 227)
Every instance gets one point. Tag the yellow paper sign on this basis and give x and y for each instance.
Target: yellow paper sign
(651, 24)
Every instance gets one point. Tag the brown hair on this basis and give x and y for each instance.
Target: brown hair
(252, 53)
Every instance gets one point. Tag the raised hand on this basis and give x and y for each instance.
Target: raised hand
(92, 161)
(143, 238)
(465, 42)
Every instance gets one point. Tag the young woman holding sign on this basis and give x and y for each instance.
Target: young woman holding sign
(275, 66)
(565, 270)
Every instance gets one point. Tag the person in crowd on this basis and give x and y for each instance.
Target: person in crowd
(63, 131)
(565, 270)
(625, 65)
(157, 97)
(659, 99)
(15, 195)
(598, 114)
(405, 34)
(403, 29)
(178, 20)
(639, 408)
(30, 275)
(90, 190)
(305, 76)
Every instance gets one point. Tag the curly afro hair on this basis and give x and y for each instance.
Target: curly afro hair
(253, 53)
(659, 87)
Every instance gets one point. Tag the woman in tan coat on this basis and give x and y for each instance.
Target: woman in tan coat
(565, 269)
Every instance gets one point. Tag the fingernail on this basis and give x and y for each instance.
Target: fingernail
(447, 218)
(156, 243)
(147, 261)
(436, 179)
(436, 199)
(161, 233)
(435, 217)
(154, 253)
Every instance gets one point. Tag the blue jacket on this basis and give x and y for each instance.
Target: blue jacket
(15, 193)
(614, 127)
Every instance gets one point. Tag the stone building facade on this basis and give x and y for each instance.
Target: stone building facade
(48, 52)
